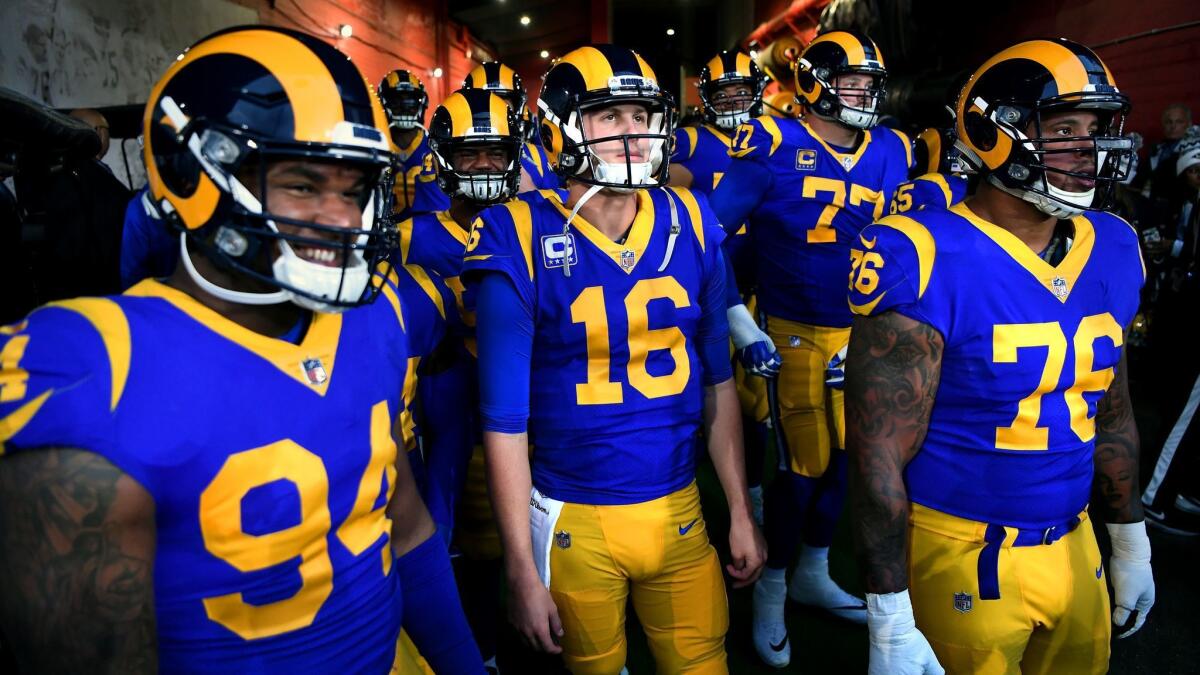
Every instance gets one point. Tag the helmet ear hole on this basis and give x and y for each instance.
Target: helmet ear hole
(980, 131)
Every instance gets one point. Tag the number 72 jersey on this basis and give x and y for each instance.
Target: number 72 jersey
(1030, 349)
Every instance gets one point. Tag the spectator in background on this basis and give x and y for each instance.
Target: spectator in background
(1161, 184)
(1170, 497)
(97, 121)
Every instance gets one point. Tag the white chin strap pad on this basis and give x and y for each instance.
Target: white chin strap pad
(320, 280)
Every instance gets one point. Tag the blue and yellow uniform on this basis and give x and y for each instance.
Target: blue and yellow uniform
(704, 151)
(535, 165)
(451, 438)
(806, 201)
(931, 190)
(625, 336)
(273, 505)
(1001, 483)
(416, 189)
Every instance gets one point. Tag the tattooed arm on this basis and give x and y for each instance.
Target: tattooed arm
(77, 545)
(892, 370)
(1118, 493)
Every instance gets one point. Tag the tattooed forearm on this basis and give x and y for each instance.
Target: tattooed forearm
(1117, 493)
(76, 562)
(892, 370)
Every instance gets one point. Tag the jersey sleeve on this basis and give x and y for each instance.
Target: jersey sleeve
(685, 144)
(429, 308)
(501, 241)
(891, 263)
(62, 372)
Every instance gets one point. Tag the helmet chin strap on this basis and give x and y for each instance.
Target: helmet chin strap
(1058, 203)
(229, 295)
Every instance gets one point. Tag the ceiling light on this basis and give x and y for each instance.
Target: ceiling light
(345, 30)
(670, 31)
(437, 72)
(544, 54)
(525, 19)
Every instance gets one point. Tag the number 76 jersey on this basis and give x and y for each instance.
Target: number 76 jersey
(616, 380)
(1030, 349)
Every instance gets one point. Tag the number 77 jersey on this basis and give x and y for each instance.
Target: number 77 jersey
(616, 379)
(1030, 349)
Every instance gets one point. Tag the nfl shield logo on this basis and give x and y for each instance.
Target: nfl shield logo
(314, 370)
(562, 539)
(962, 602)
(628, 258)
(1060, 287)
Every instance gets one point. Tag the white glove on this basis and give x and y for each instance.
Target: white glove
(897, 647)
(1130, 574)
(756, 351)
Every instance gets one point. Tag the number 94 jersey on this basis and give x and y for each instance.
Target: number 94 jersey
(270, 463)
(1030, 349)
(616, 380)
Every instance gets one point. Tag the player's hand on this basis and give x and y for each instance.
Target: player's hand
(761, 358)
(532, 611)
(748, 550)
(1131, 576)
(835, 372)
(897, 647)
(755, 350)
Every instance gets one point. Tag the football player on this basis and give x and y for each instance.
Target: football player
(938, 177)
(493, 76)
(806, 187)
(731, 87)
(202, 475)
(987, 392)
(476, 140)
(603, 344)
(405, 101)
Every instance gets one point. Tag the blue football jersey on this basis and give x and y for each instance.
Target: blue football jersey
(1030, 349)
(416, 189)
(818, 202)
(931, 190)
(537, 167)
(270, 464)
(616, 380)
(704, 151)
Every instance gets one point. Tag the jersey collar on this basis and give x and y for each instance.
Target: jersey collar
(635, 243)
(846, 160)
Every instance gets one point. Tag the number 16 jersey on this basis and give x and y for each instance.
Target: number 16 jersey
(616, 379)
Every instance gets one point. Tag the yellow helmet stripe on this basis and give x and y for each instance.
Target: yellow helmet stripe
(460, 114)
(507, 78)
(592, 65)
(1069, 72)
(848, 43)
(647, 71)
(716, 68)
(499, 113)
(743, 64)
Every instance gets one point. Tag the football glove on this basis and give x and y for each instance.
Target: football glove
(897, 647)
(1131, 576)
(755, 350)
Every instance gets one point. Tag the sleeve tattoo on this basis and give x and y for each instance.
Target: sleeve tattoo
(1117, 493)
(892, 371)
(76, 564)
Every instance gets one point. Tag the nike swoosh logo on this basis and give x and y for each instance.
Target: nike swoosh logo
(779, 647)
(1099, 571)
(865, 308)
(684, 529)
(869, 243)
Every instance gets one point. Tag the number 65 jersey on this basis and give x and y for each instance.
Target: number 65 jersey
(616, 379)
(1030, 349)
(270, 464)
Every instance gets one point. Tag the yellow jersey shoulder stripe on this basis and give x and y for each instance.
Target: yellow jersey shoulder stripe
(922, 242)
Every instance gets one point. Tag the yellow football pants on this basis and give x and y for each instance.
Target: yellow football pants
(659, 551)
(408, 660)
(1052, 613)
(813, 415)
